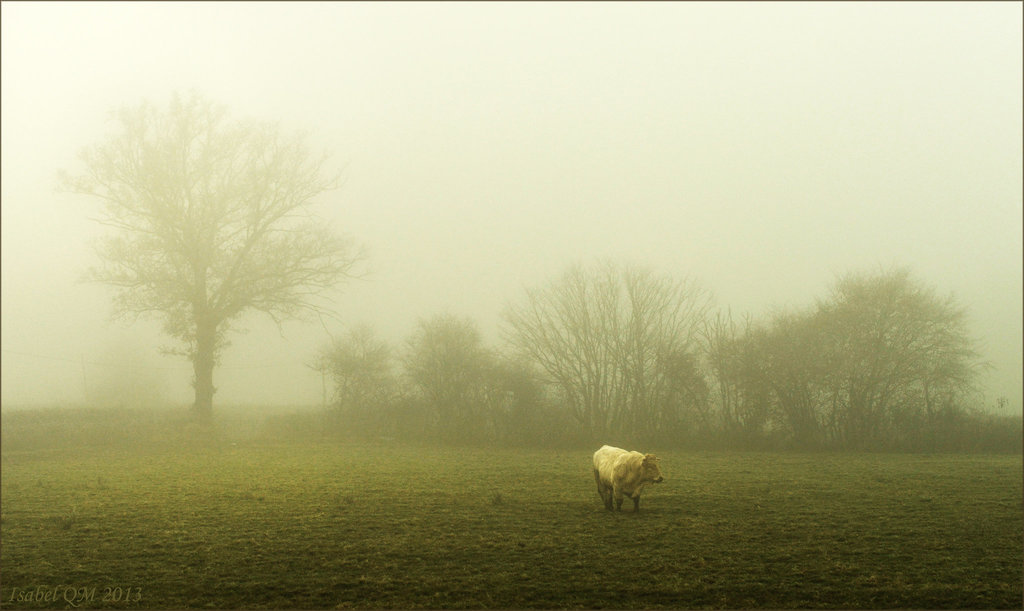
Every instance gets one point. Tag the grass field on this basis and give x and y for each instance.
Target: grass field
(337, 526)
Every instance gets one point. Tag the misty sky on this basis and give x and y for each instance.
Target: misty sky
(762, 149)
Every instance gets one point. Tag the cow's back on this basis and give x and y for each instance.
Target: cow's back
(604, 460)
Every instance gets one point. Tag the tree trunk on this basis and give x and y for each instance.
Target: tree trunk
(202, 362)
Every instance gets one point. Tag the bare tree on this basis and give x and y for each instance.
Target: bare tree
(900, 356)
(613, 341)
(212, 220)
(658, 352)
(515, 403)
(882, 362)
(565, 329)
(449, 365)
(361, 366)
(737, 364)
(797, 366)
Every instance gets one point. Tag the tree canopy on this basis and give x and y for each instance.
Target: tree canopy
(211, 219)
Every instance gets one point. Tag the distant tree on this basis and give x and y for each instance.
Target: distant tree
(362, 368)
(449, 366)
(737, 365)
(212, 219)
(900, 357)
(568, 329)
(795, 365)
(616, 342)
(881, 363)
(516, 407)
(659, 354)
(679, 403)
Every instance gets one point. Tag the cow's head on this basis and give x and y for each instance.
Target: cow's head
(651, 471)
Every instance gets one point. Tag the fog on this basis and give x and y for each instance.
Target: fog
(761, 149)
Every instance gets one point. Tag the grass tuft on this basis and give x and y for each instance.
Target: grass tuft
(67, 520)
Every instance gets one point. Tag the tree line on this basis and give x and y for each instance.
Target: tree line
(617, 352)
(212, 219)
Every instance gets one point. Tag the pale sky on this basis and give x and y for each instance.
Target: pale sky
(761, 149)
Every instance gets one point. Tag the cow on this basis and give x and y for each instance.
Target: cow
(619, 472)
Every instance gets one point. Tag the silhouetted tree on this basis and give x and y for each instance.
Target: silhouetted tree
(448, 365)
(212, 220)
(796, 366)
(365, 386)
(737, 365)
(900, 357)
(881, 363)
(516, 409)
(615, 342)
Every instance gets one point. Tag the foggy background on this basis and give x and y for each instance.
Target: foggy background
(762, 149)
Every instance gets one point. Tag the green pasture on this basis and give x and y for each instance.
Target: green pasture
(330, 525)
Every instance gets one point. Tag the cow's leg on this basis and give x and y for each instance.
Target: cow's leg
(617, 493)
(602, 490)
(636, 503)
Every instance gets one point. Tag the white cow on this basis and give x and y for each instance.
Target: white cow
(619, 472)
